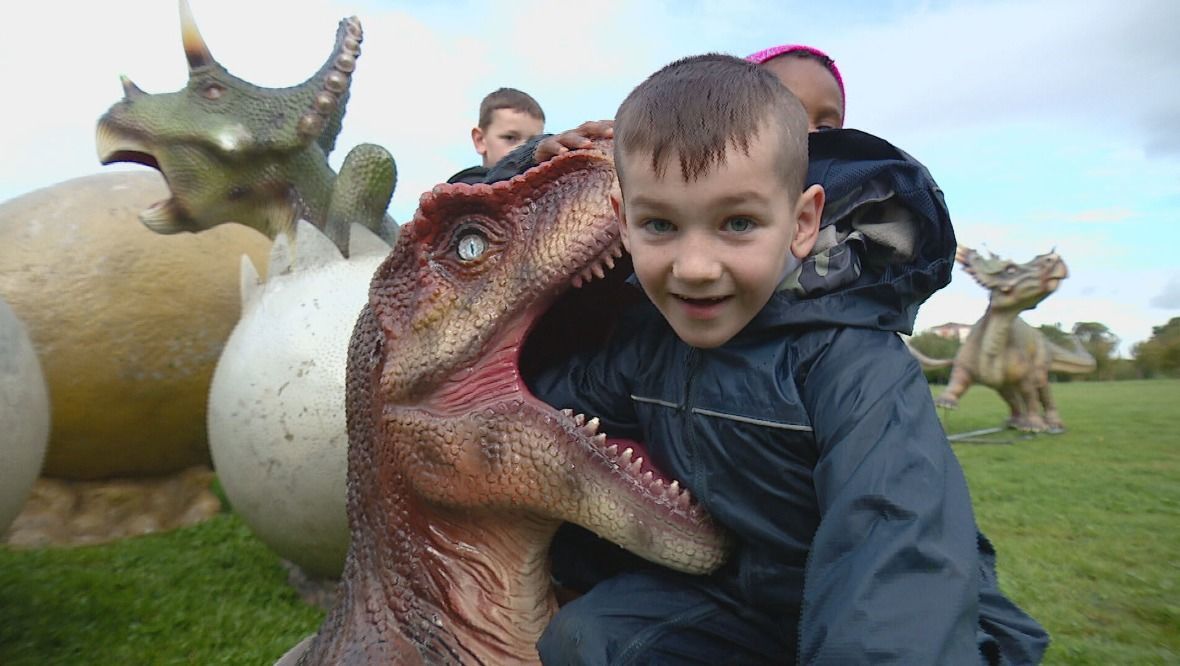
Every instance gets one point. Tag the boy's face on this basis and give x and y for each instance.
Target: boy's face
(509, 128)
(815, 87)
(710, 252)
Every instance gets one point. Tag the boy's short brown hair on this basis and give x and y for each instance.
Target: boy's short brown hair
(508, 98)
(698, 107)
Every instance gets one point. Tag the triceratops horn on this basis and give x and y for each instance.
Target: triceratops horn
(194, 45)
(130, 90)
(335, 77)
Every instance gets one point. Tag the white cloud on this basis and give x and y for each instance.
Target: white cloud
(1168, 296)
(1116, 65)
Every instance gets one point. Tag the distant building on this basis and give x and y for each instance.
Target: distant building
(951, 330)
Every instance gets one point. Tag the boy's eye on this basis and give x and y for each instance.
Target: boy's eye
(739, 224)
(658, 226)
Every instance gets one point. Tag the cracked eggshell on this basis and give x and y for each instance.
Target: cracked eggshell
(277, 430)
(24, 413)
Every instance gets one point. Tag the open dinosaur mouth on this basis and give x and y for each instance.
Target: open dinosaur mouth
(165, 216)
(117, 146)
(580, 321)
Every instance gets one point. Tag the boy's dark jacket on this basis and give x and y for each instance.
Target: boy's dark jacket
(470, 175)
(812, 436)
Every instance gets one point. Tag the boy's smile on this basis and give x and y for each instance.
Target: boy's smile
(710, 252)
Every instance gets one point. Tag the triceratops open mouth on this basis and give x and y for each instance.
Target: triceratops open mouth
(165, 216)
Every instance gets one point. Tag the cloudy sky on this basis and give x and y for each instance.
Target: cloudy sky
(1051, 124)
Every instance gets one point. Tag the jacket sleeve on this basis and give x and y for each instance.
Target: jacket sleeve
(519, 160)
(892, 576)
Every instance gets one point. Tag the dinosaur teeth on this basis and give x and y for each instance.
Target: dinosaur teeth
(568, 412)
(600, 439)
(612, 450)
(636, 466)
(625, 457)
(609, 260)
(592, 425)
(577, 282)
(579, 419)
(648, 477)
(617, 251)
(598, 271)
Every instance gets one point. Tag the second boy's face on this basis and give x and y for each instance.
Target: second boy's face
(710, 252)
(509, 128)
(815, 87)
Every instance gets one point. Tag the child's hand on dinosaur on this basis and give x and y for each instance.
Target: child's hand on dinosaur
(579, 137)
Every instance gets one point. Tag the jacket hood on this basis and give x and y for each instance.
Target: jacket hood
(885, 244)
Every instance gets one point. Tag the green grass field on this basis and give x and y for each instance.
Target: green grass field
(1087, 525)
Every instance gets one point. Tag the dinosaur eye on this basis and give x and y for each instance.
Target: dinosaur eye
(471, 246)
(212, 91)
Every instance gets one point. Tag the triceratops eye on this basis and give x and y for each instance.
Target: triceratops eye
(471, 246)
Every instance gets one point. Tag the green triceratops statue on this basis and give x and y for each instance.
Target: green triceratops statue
(235, 152)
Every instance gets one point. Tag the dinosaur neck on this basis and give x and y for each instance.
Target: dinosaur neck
(997, 329)
(453, 586)
(487, 579)
(309, 181)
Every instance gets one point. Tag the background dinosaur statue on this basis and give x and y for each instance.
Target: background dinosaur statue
(1004, 352)
(235, 152)
(458, 476)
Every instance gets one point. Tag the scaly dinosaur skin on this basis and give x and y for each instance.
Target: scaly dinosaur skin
(458, 476)
(234, 152)
(1004, 352)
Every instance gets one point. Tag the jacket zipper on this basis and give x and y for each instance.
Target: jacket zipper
(699, 483)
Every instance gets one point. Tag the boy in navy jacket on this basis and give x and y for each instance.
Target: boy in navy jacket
(764, 371)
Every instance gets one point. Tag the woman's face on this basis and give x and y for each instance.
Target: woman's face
(815, 87)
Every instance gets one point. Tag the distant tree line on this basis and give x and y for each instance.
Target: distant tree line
(1159, 356)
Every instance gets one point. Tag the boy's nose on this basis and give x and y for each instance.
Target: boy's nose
(696, 263)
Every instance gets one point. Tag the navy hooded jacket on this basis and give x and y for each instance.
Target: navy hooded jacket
(812, 436)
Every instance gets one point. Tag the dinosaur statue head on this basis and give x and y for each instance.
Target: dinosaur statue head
(226, 147)
(1014, 286)
(480, 274)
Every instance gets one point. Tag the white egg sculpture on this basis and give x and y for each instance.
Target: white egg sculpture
(277, 430)
(24, 416)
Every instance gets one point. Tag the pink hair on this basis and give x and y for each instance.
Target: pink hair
(787, 49)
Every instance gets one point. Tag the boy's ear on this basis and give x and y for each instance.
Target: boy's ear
(477, 140)
(808, 213)
(616, 202)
